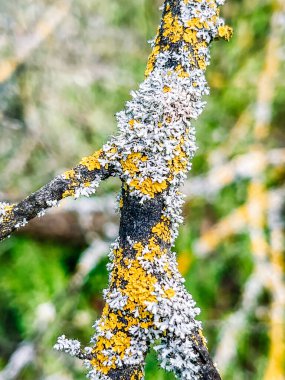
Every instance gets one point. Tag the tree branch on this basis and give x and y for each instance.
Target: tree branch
(81, 180)
(146, 300)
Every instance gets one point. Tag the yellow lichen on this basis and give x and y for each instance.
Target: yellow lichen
(8, 212)
(201, 63)
(151, 60)
(140, 286)
(148, 187)
(138, 247)
(130, 164)
(69, 174)
(137, 375)
(132, 123)
(68, 193)
(92, 162)
(181, 72)
(112, 150)
(172, 27)
(154, 250)
(166, 89)
(190, 36)
(162, 230)
(167, 270)
(133, 281)
(196, 23)
(225, 32)
(179, 162)
(120, 342)
(9, 208)
(109, 320)
(170, 293)
(99, 360)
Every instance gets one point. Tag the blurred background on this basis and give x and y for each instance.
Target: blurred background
(66, 67)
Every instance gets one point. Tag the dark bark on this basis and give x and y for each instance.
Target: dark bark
(17, 215)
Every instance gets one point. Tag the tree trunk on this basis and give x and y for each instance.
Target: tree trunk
(146, 301)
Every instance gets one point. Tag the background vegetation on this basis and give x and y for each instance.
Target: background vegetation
(66, 68)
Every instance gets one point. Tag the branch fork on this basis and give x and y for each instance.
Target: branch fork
(146, 300)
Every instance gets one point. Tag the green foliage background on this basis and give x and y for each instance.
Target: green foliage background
(59, 105)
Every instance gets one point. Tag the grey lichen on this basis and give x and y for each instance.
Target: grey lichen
(146, 299)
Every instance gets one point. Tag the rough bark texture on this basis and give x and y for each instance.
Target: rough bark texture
(146, 300)
(17, 215)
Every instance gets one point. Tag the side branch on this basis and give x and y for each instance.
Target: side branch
(81, 180)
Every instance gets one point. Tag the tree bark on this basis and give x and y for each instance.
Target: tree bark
(146, 300)
(81, 180)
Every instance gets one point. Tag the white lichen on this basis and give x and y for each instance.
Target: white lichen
(152, 154)
(69, 346)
